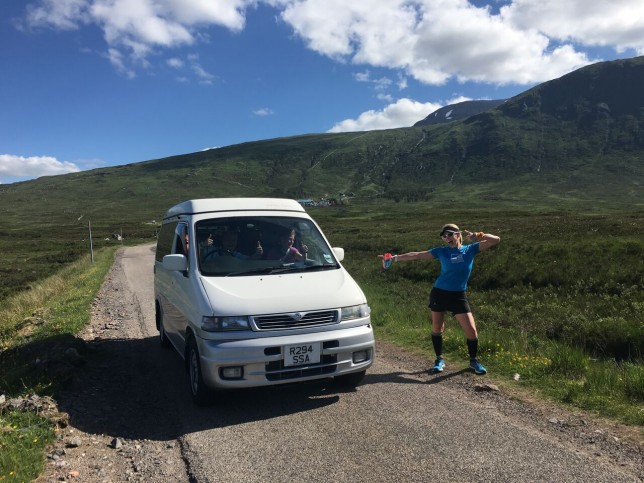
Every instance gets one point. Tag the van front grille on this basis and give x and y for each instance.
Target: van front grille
(276, 371)
(295, 320)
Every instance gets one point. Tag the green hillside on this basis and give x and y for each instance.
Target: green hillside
(575, 143)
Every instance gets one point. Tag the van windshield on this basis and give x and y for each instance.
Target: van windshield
(240, 246)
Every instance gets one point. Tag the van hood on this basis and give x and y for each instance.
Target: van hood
(294, 292)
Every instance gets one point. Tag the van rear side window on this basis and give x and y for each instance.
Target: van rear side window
(164, 242)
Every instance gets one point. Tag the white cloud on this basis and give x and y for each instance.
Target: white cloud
(116, 59)
(227, 13)
(264, 111)
(61, 14)
(433, 41)
(619, 23)
(138, 23)
(362, 76)
(12, 166)
(204, 77)
(403, 113)
(402, 82)
(133, 29)
(175, 63)
(192, 64)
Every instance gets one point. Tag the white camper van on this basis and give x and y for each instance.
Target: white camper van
(250, 293)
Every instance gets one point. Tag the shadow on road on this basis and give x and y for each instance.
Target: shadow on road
(135, 389)
(415, 377)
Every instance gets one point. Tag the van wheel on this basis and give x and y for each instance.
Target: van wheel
(163, 337)
(350, 380)
(201, 395)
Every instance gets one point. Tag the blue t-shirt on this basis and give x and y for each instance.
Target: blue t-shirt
(456, 266)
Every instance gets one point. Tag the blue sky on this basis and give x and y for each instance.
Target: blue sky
(95, 83)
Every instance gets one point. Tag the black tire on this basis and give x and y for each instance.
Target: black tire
(352, 380)
(201, 394)
(163, 337)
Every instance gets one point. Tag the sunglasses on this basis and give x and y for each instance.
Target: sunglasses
(449, 234)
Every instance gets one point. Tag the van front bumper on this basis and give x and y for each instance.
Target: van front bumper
(262, 360)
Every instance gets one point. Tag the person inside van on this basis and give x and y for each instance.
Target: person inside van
(285, 249)
(228, 248)
(183, 244)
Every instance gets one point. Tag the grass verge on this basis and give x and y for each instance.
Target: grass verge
(38, 351)
(559, 372)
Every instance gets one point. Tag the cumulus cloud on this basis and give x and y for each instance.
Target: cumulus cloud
(433, 41)
(134, 29)
(12, 166)
(619, 23)
(402, 113)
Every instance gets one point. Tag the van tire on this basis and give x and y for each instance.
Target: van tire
(201, 394)
(163, 337)
(350, 380)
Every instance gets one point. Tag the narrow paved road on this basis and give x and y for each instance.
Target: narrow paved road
(402, 424)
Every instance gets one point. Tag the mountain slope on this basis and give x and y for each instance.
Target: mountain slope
(458, 111)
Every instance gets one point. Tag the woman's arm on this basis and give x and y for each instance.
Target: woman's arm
(411, 256)
(486, 240)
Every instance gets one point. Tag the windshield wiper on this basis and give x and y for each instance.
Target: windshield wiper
(321, 266)
(254, 271)
(282, 269)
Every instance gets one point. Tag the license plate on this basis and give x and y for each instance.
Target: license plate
(300, 354)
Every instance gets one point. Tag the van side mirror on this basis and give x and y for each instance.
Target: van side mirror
(339, 253)
(176, 263)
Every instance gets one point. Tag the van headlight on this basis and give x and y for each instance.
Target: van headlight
(219, 324)
(356, 312)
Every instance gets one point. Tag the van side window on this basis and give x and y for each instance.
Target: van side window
(164, 242)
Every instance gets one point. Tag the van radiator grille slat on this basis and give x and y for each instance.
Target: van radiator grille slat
(275, 370)
(296, 320)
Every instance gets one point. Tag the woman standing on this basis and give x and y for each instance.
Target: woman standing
(449, 291)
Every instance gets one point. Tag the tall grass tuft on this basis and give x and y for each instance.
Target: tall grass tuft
(568, 362)
(633, 381)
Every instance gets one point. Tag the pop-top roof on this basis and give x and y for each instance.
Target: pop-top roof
(192, 207)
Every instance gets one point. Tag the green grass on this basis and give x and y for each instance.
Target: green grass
(23, 439)
(37, 327)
